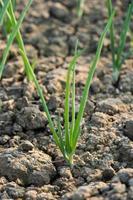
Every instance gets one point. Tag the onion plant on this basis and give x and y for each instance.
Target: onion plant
(13, 26)
(66, 136)
(117, 50)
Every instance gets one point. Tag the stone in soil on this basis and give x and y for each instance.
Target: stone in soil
(60, 12)
(100, 119)
(111, 106)
(33, 167)
(128, 130)
(26, 146)
(6, 122)
(31, 118)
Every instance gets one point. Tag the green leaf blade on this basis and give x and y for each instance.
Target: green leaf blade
(40, 93)
(67, 98)
(13, 35)
(4, 10)
(88, 83)
(123, 36)
(112, 34)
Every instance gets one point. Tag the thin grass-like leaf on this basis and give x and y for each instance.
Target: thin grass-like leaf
(73, 96)
(67, 98)
(112, 35)
(76, 132)
(3, 10)
(123, 36)
(19, 39)
(73, 99)
(11, 22)
(117, 52)
(40, 93)
(6, 20)
(12, 36)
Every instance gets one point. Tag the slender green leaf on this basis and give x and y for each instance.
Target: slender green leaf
(13, 35)
(123, 36)
(73, 96)
(88, 83)
(73, 100)
(4, 10)
(112, 35)
(67, 98)
(19, 39)
(40, 93)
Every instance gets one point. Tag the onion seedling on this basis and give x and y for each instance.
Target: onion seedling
(66, 138)
(8, 11)
(117, 52)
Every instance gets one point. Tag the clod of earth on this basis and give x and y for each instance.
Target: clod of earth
(31, 118)
(33, 167)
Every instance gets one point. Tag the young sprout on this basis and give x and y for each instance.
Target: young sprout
(12, 24)
(80, 7)
(66, 138)
(117, 52)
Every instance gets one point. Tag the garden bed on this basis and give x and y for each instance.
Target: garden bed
(31, 166)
